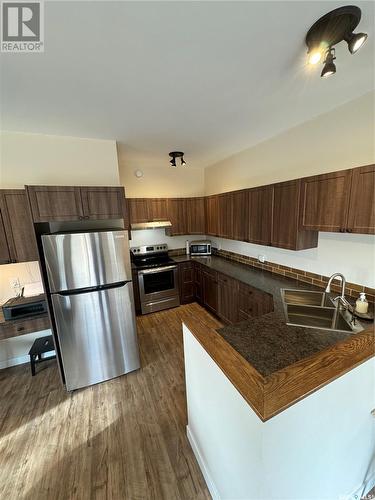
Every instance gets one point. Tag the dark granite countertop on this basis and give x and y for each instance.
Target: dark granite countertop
(267, 342)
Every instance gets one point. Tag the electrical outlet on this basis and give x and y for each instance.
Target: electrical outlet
(262, 258)
(14, 282)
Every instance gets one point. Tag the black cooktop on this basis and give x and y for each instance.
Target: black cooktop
(147, 262)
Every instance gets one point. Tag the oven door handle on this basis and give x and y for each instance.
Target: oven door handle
(156, 270)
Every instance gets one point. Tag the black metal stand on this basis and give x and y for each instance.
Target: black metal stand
(39, 347)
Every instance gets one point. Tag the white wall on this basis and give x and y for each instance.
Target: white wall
(51, 159)
(47, 159)
(154, 236)
(320, 448)
(351, 254)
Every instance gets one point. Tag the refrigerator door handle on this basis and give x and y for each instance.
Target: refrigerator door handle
(80, 291)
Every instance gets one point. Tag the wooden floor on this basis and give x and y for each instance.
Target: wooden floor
(122, 439)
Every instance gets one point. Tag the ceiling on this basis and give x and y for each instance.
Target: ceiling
(207, 78)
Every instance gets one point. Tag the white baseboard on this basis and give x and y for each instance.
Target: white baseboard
(203, 467)
(7, 363)
(363, 489)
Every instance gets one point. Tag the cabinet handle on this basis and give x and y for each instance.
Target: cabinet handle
(87, 217)
(349, 230)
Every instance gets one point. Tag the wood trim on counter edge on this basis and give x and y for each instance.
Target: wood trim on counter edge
(273, 394)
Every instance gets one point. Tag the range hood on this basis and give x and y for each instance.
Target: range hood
(160, 224)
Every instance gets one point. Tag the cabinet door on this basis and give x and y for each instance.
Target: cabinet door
(177, 215)
(361, 215)
(253, 302)
(103, 202)
(225, 215)
(259, 229)
(138, 210)
(228, 299)
(18, 225)
(137, 298)
(209, 281)
(186, 279)
(325, 201)
(158, 209)
(55, 203)
(5, 257)
(285, 224)
(198, 292)
(195, 208)
(240, 215)
(212, 221)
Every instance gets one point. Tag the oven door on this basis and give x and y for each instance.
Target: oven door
(157, 283)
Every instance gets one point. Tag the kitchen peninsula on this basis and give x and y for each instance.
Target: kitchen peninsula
(261, 390)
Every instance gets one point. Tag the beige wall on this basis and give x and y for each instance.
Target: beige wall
(159, 178)
(51, 159)
(340, 139)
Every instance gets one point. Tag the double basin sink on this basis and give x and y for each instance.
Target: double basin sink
(314, 309)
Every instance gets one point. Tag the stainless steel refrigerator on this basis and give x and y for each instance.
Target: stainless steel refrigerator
(89, 280)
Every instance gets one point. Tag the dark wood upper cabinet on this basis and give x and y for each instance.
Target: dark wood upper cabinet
(158, 209)
(55, 203)
(195, 209)
(18, 225)
(5, 257)
(225, 215)
(210, 290)
(285, 222)
(103, 202)
(240, 215)
(259, 218)
(212, 215)
(177, 215)
(325, 201)
(139, 210)
(228, 299)
(69, 203)
(361, 214)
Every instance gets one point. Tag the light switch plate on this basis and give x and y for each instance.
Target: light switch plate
(14, 282)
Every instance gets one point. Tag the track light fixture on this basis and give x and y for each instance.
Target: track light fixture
(329, 67)
(174, 155)
(331, 29)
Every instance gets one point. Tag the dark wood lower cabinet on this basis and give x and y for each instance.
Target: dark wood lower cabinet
(186, 282)
(210, 290)
(198, 295)
(228, 299)
(253, 302)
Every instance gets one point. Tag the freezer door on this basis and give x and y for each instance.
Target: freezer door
(97, 335)
(83, 260)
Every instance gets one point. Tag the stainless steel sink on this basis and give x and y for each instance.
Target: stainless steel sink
(307, 297)
(314, 309)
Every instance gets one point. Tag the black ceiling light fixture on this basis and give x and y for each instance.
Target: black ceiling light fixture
(174, 155)
(331, 29)
(329, 66)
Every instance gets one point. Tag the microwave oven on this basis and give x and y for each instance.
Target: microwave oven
(200, 247)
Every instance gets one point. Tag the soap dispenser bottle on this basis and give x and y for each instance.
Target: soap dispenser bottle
(361, 305)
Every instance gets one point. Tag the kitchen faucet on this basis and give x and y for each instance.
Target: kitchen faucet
(340, 298)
